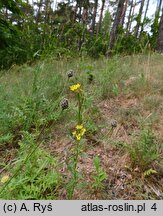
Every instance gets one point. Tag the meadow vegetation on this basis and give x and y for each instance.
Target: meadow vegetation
(102, 140)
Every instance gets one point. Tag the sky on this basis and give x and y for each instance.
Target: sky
(151, 10)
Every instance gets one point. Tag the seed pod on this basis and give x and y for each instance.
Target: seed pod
(64, 104)
(70, 73)
(113, 123)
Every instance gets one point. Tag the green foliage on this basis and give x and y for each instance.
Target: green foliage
(154, 31)
(115, 89)
(106, 24)
(11, 5)
(95, 46)
(145, 150)
(138, 19)
(128, 44)
(38, 178)
(109, 79)
(36, 106)
(9, 34)
(28, 34)
(99, 176)
(149, 172)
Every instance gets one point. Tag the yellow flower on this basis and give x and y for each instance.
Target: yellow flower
(74, 133)
(4, 179)
(79, 132)
(79, 127)
(75, 88)
(83, 130)
(78, 137)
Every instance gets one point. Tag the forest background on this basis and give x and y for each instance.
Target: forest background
(32, 29)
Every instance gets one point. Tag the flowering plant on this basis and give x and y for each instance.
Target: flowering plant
(78, 133)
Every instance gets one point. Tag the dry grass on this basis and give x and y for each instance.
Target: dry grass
(137, 105)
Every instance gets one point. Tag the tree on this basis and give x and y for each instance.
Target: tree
(124, 13)
(160, 35)
(158, 8)
(11, 5)
(145, 16)
(116, 23)
(38, 15)
(94, 16)
(129, 16)
(155, 26)
(138, 19)
(7, 29)
(101, 15)
(132, 15)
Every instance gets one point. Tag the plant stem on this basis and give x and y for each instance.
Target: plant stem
(74, 172)
(79, 109)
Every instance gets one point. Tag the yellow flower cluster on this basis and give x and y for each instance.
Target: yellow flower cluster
(79, 132)
(4, 179)
(75, 88)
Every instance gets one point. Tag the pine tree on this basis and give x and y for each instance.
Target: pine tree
(160, 35)
(145, 16)
(101, 15)
(139, 18)
(116, 23)
(94, 16)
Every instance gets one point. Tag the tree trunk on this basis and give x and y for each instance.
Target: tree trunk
(101, 15)
(85, 21)
(146, 10)
(139, 18)
(129, 16)
(133, 11)
(85, 12)
(160, 35)
(39, 11)
(158, 9)
(80, 12)
(114, 31)
(155, 26)
(75, 12)
(124, 13)
(94, 16)
(47, 11)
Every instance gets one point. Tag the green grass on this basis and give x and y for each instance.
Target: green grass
(39, 178)
(31, 118)
(144, 150)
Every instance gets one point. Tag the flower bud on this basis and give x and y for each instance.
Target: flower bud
(70, 73)
(113, 123)
(64, 104)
